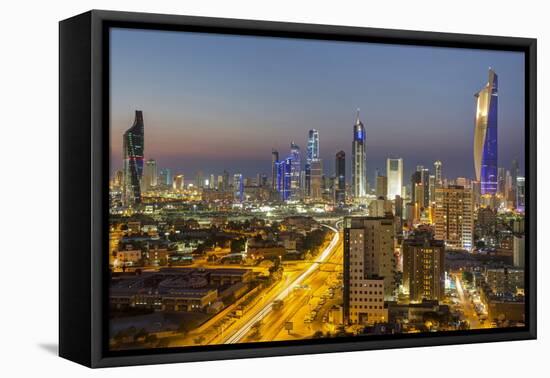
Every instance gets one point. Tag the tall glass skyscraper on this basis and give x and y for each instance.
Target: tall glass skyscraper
(238, 187)
(485, 136)
(359, 159)
(313, 144)
(312, 156)
(165, 176)
(149, 179)
(274, 161)
(340, 185)
(295, 170)
(132, 167)
(284, 176)
(438, 175)
(394, 172)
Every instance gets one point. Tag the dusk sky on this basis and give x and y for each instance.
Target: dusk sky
(214, 102)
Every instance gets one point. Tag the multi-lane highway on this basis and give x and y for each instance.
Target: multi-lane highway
(255, 316)
(305, 308)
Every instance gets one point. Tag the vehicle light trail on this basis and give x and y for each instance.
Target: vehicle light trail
(240, 333)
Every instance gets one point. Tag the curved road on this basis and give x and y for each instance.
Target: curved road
(241, 332)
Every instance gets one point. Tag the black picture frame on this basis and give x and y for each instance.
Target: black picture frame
(83, 196)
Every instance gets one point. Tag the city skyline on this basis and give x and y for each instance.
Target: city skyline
(173, 143)
(402, 221)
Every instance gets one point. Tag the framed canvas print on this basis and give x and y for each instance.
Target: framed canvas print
(233, 188)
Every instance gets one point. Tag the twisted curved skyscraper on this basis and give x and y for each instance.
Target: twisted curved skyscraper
(485, 136)
(132, 170)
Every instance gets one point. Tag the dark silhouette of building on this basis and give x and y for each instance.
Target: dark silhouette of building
(133, 149)
(340, 185)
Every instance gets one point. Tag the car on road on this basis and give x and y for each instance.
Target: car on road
(277, 304)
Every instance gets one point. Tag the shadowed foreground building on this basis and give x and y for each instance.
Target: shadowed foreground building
(369, 268)
(424, 267)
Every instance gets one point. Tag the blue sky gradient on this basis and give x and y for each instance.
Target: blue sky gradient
(214, 102)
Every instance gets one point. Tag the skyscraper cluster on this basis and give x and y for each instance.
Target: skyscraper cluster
(292, 184)
(396, 241)
(299, 177)
(289, 180)
(286, 174)
(440, 215)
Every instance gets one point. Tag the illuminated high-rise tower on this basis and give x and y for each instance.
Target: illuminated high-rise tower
(311, 159)
(150, 178)
(132, 169)
(438, 175)
(423, 267)
(284, 176)
(485, 136)
(165, 177)
(238, 187)
(394, 172)
(313, 144)
(295, 171)
(359, 159)
(179, 182)
(454, 221)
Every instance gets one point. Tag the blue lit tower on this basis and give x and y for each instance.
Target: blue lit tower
(312, 155)
(132, 170)
(295, 170)
(359, 159)
(238, 187)
(284, 176)
(485, 136)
